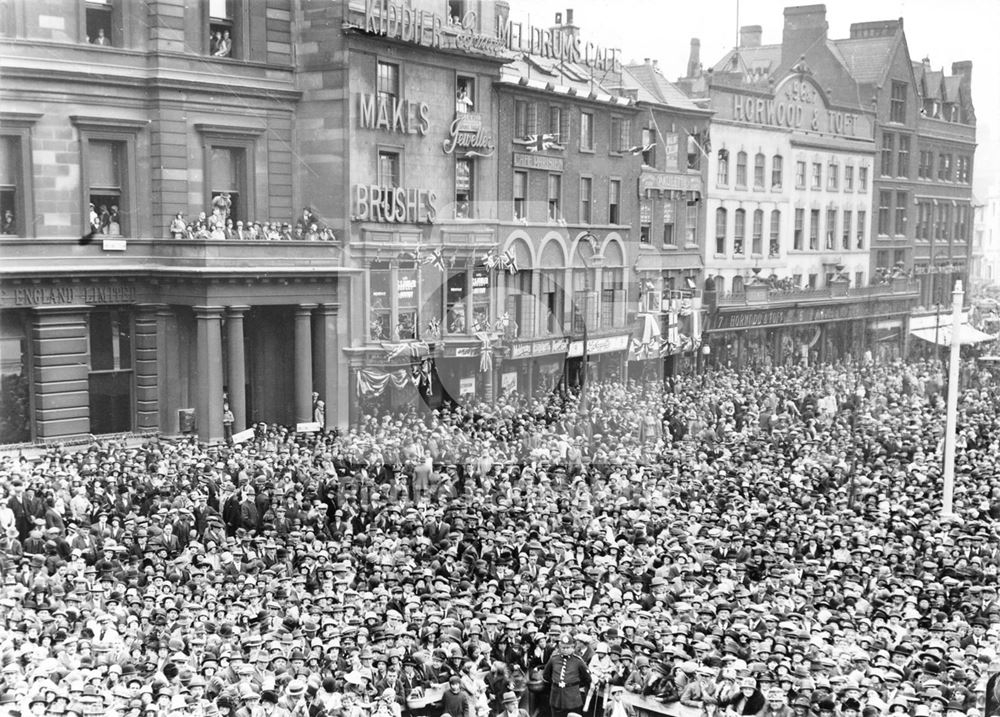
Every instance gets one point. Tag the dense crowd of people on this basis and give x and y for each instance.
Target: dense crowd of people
(740, 544)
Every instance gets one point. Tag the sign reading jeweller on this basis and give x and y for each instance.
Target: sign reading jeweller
(470, 136)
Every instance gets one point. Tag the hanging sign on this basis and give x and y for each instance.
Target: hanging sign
(470, 136)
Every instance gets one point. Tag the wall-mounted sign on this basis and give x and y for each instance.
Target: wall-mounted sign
(558, 44)
(401, 21)
(602, 345)
(398, 205)
(798, 104)
(671, 149)
(470, 136)
(392, 114)
(665, 182)
(114, 293)
(524, 160)
(806, 314)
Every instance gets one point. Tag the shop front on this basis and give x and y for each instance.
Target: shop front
(605, 356)
(760, 338)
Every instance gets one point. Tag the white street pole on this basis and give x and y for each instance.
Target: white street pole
(951, 415)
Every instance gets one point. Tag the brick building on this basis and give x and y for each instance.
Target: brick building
(790, 187)
(406, 135)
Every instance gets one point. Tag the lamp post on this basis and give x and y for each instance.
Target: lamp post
(585, 368)
(951, 409)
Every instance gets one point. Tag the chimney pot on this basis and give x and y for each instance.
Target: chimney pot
(558, 18)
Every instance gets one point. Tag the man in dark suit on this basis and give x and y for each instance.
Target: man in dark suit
(19, 504)
(568, 679)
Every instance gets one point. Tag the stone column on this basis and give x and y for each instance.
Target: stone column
(236, 366)
(168, 378)
(332, 380)
(60, 367)
(303, 362)
(147, 369)
(209, 401)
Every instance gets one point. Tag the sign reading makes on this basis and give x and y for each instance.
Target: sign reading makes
(392, 114)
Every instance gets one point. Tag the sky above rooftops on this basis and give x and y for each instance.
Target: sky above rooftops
(662, 30)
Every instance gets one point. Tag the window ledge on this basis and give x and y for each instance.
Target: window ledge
(692, 246)
(98, 123)
(720, 256)
(587, 150)
(670, 247)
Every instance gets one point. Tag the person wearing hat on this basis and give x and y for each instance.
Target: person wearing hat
(567, 676)
(749, 701)
(511, 708)
(455, 701)
(777, 704)
(701, 691)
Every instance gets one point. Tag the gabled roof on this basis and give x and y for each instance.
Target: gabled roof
(756, 60)
(933, 80)
(560, 78)
(866, 59)
(651, 82)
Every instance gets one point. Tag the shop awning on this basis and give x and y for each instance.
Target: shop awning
(967, 335)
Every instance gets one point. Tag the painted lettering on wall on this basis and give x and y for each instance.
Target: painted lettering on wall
(392, 114)
(396, 205)
(469, 134)
(60, 295)
(798, 105)
(401, 21)
(559, 45)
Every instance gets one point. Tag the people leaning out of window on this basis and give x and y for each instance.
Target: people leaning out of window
(100, 39)
(221, 44)
(208, 228)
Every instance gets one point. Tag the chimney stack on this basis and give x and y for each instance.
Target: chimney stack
(569, 16)
(694, 59)
(558, 18)
(805, 28)
(750, 35)
(963, 69)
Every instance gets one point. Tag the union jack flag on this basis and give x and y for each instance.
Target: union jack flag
(435, 258)
(641, 148)
(508, 262)
(540, 142)
(491, 260)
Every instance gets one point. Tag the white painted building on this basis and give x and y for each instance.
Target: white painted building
(789, 187)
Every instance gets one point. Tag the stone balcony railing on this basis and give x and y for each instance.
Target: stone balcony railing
(39, 257)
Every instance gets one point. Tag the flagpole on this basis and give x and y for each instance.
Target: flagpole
(951, 411)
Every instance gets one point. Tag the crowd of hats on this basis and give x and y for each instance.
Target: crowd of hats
(781, 532)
